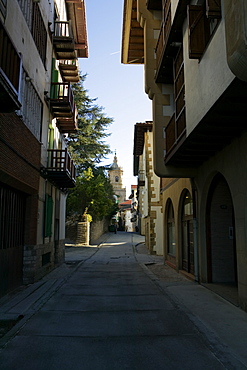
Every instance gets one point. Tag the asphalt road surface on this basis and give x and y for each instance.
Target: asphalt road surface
(109, 315)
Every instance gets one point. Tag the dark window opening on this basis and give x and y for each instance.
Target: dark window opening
(46, 258)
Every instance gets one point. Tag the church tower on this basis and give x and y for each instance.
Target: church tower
(115, 174)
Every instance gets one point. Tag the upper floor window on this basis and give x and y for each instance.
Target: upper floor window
(203, 20)
(32, 107)
(36, 25)
(116, 179)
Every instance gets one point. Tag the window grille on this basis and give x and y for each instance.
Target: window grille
(33, 17)
(32, 106)
(3, 7)
(27, 10)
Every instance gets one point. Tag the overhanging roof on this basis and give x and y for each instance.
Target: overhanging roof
(140, 129)
(132, 35)
(77, 15)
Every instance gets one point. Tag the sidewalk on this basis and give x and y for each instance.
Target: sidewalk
(223, 324)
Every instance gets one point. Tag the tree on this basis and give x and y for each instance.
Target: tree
(87, 145)
(93, 194)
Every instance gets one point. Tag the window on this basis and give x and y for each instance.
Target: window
(35, 23)
(32, 107)
(203, 20)
(39, 32)
(116, 179)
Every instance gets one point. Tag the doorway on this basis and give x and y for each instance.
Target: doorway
(220, 226)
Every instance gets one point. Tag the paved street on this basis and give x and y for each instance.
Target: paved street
(105, 310)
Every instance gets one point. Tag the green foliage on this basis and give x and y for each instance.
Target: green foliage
(87, 145)
(93, 194)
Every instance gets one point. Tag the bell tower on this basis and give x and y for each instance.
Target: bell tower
(115, 174)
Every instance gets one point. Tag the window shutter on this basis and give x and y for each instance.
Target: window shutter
(198, 31)
(213, 8)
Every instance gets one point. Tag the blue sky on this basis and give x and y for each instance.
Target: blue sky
(119, 88)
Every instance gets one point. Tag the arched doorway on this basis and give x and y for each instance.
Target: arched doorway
(221, 246)
(187, 234)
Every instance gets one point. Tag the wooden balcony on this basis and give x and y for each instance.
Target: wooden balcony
(10, 66)
(63, 106)
(60, 168)
(69, 70)
(169, 39)
(63, 40)
(224, 122)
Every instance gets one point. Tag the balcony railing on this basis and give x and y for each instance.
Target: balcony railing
(10, 66)
(69, 70)
(63, 106)
(60, 168)
(63, 40)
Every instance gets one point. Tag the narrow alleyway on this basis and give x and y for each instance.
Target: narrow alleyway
(110, 313)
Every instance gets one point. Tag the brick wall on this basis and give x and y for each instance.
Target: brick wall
(20, 154)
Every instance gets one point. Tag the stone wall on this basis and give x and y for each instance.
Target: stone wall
(38, 260)
(97, 228)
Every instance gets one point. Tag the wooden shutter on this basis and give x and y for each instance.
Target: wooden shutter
(199, 31)
(213, 8)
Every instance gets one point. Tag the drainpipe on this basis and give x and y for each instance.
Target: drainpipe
(235, 15)
(195, 230)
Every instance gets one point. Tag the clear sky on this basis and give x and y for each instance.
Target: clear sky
(119, 88)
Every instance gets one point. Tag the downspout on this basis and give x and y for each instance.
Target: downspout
(235, 16)
(195, 230)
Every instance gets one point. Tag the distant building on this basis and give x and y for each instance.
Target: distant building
(115, 174)
(125, 216)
